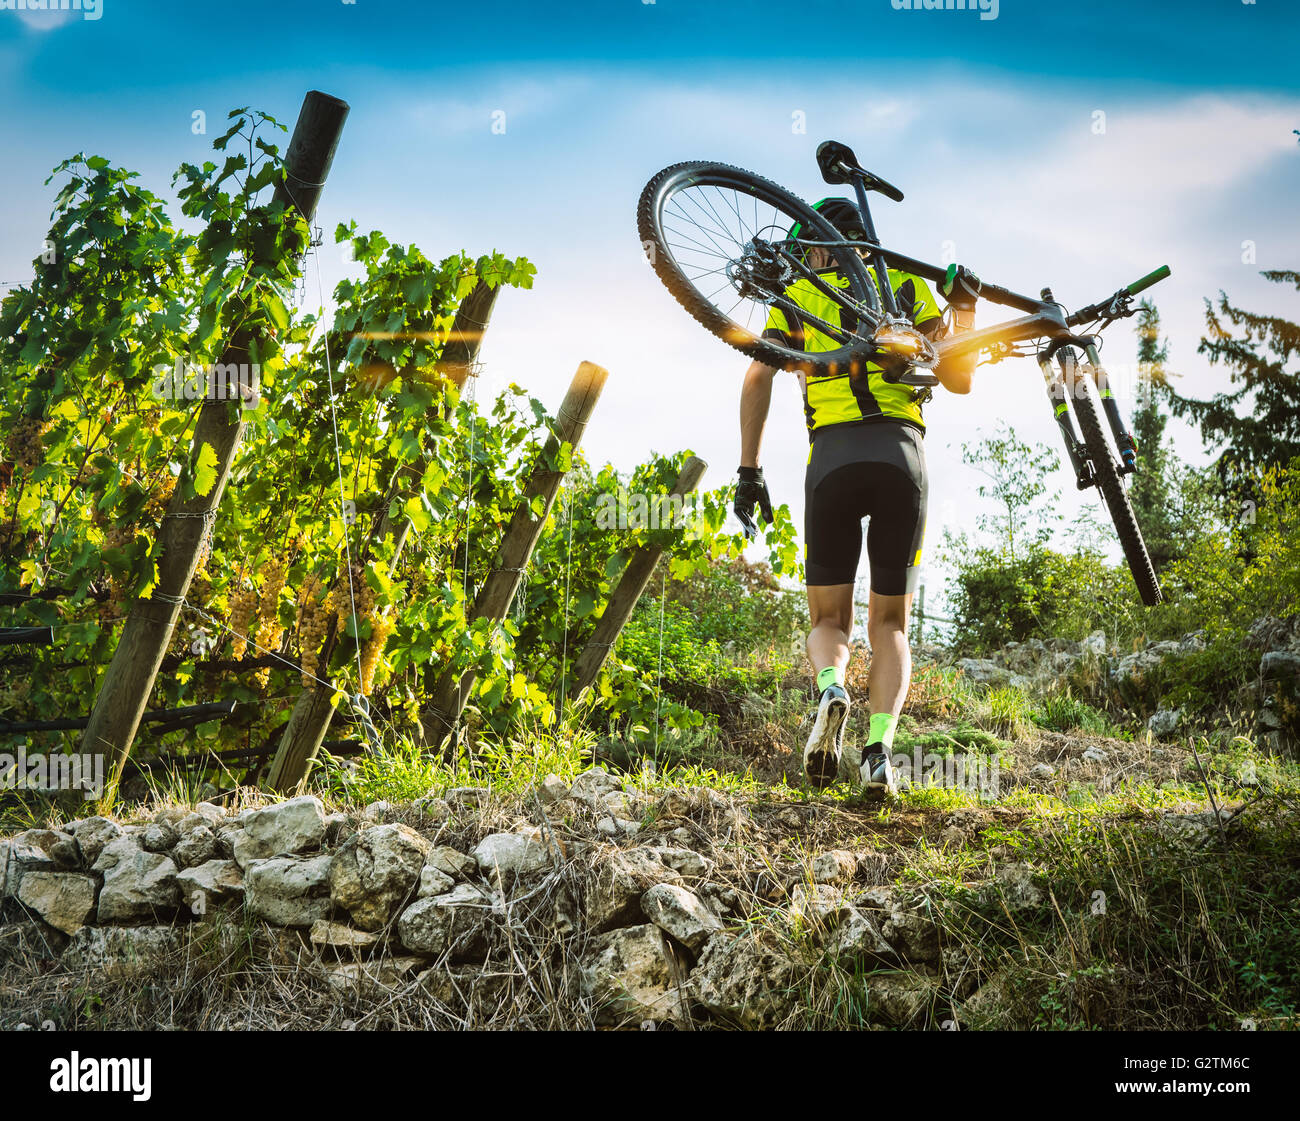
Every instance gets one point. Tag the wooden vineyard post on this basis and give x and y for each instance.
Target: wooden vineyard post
(130, 676)
(309, 722)
(466, 338)
(459, 354)
(625, 596)
(498, 591)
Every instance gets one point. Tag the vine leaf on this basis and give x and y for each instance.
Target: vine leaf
(205, 471)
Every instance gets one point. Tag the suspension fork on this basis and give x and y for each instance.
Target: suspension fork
(1055, 377)
(1123, 438)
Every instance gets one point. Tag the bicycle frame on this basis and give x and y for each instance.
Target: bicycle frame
(1045, 320)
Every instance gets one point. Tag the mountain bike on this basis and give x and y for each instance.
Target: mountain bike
(728, 245)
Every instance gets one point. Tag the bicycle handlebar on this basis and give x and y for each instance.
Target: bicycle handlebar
(1092, 311)
(1148, 280)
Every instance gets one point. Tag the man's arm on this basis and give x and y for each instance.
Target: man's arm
(755, 400)
(954, 374)
(961, 288)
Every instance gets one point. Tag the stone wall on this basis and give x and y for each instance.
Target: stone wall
(653, 919)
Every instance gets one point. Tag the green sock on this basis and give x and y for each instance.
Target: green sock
(831, 675)
(882, 729)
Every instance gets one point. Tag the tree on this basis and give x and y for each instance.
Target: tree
(1017, 475)
(1155, 483)
(1257, 424)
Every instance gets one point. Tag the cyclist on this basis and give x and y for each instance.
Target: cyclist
(866, 460)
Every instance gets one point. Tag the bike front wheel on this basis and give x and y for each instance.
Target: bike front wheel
(1111, 485)
(721, 240)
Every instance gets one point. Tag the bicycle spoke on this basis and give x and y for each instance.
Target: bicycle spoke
(707, 233)
(722, 229)
(730, 241)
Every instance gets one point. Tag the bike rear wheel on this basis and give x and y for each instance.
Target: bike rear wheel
(719, 240)
(1109, 482)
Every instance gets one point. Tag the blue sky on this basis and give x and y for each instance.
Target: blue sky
(989, 126)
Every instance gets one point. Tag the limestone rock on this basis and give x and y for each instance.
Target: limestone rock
(35, 850)
(210, 884)
(137, 884)
(859, 937)
(912, 934)
(628, 975)
(198, 846)
(159, 836)
(834, 866)
(169, 815)
(62, 899)
(882, 897)
(1165, 722)
(617, 882)
(451, 862)
(819, 907)
(680, 913)
(211, 813)
(1016, 885)
(454, 924)
(121, 953)
(899, 998)
(289, 890)
(504, 857)
(433, 882)
(384, 973)
(1095, 645)
(340, 936)
(986, 1006)
(748, 979)
(552, 789)
(376, 871)
(984, 671)
(226, 838)
(295, 826)
(614, 827)
(1193, 829)
(719, 898)
(689, 863)
(592, 786)
(1280, 665)
(92, 834)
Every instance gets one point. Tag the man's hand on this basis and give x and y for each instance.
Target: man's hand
(960, 287)
(751, 491)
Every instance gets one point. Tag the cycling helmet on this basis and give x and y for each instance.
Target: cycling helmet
(843, 215)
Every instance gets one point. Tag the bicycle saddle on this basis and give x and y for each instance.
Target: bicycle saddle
(840, 165)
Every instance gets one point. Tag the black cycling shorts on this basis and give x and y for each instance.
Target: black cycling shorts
(874, 470)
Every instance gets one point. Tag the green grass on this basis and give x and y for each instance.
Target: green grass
(965, 738)
(1010, 711)
(1063, 712)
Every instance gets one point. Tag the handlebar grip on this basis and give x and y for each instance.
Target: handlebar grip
(1148, 280)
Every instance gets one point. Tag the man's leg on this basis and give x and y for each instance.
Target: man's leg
(830, 611)
(891, 656)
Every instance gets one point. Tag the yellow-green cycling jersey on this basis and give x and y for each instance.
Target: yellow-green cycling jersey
(844, 398)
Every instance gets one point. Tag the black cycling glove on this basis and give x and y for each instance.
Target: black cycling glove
(751, 491)
(960, 287)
